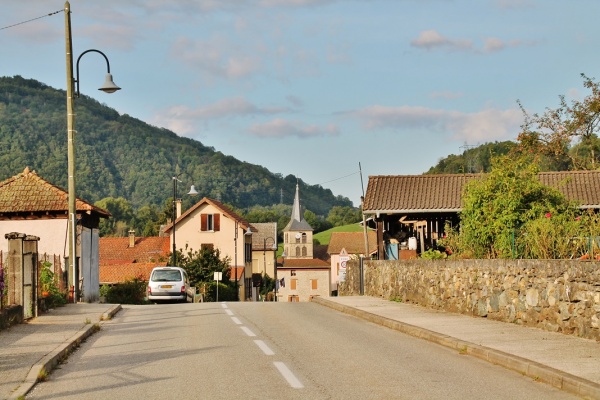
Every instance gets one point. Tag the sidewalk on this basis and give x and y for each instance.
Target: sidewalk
(27, 348)
(566, 362)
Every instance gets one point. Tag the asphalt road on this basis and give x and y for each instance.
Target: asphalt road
(271, 350)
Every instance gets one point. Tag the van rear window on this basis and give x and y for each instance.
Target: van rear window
(166, 276)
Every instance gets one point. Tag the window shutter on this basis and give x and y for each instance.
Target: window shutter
(217, 222)
(203, 222)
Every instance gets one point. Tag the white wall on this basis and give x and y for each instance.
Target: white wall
(52, 234)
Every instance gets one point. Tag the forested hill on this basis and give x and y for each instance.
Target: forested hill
(121, 156)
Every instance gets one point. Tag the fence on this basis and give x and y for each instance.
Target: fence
(56, 266)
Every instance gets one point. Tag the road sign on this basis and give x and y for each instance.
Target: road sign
(343, 260)
(218, 276)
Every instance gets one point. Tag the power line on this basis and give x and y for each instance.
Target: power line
(29, 20)
(337, 179)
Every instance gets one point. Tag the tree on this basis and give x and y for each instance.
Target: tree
(567, 133)
(122, 216)
(339, 215)
(499, 204)
(201, 265)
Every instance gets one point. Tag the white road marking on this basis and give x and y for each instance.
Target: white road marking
(263, 346)
(248, 331)
(228, 312)
(288, 375)
(223, 305)
(236, 320)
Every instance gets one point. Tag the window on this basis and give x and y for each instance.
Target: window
(293, 298)
(210, 222)
(248, 252)
(297, 251)
(209, 246)
(293, 283)
(304, 251)
(304, 237)
(314, 284)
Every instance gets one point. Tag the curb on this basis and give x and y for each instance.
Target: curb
(48, 362)
(538, 372)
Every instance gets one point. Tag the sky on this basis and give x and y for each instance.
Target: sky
(317, 88)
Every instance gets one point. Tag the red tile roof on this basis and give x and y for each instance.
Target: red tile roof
(116, 250)
(581, 186)
(302, 263)
(27, 192)
(443, 193)
(353, 242)
(117, 273)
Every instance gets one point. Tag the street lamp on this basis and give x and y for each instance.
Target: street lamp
(108, 87)
(283, 255)
(192, 192)
(274, 259)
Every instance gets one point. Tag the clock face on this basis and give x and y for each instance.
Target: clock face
(298, 236)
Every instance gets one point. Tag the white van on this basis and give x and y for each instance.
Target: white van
(168, 283)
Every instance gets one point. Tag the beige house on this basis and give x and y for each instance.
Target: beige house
(346, 246)
(303, 279)
(301, 276)
(33, 206)
(209, 223)
(264, 251)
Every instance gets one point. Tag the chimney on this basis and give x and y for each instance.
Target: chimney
(131, 238)
(178, 206)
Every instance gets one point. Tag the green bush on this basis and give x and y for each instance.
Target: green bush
(226, 292)
(129, 292)
(432, 254)
(49, 287)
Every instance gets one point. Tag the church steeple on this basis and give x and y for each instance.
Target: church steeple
(297, 235)
(296, 211)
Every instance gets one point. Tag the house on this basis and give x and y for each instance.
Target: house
(126, 258)
(345, 246)
(409, 212)
(209, 223)
(264, 252)
(34, 206)
(301, 276)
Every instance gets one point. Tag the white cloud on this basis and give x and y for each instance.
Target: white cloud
(280, 128)
(486, 125)
(183, 119)
(217, 57)
(431, 39)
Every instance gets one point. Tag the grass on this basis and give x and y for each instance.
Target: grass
(325, 236)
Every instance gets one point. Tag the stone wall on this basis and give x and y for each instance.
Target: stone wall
(556, 295)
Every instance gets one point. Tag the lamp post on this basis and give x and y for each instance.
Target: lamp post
(237, 289)
(275, 260)
(192, 192)
(72, 82)
(283, 255)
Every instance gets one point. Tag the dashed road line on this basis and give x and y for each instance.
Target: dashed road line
(263, 346)
(236, 320)
(288, 375)
(247, 331)
(228, 312)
